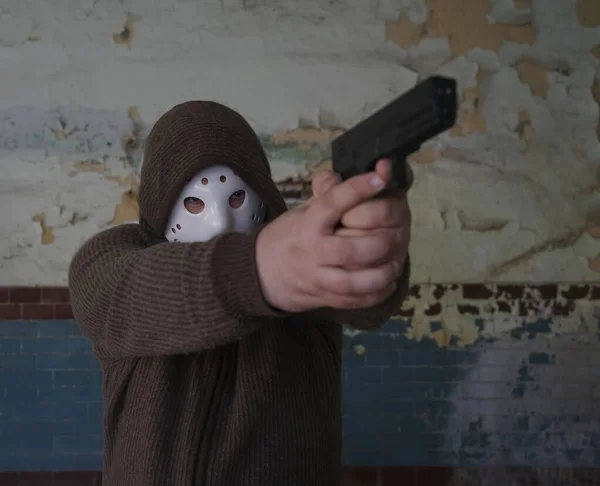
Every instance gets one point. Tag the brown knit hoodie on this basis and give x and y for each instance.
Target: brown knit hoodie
(204, 383)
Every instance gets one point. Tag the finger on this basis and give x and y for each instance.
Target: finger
(354, 251)
(378, 213)
(399, 247)
(357, 282)
(328, 209)
(324, 180)
(384, 169)
(357, 301)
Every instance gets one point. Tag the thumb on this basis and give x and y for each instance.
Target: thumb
(323, 181)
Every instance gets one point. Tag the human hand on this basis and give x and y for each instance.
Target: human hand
(304, 262)
(389, 214)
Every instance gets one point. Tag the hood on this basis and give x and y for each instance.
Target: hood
(187, 139)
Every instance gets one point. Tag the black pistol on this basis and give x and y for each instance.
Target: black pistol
(397, 130)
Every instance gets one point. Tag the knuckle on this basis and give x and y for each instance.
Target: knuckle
(345, 285)
(385, 210)
(386, 242)
(382, 278)
(342, 252)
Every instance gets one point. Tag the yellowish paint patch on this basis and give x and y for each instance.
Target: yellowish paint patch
(403, 32)
(319, 166)
(594, 231)
(127, 181)
(463, 332)
(47, 233)
(89, 166)
(305, 138)
(419, 329)
(594, 264)
(129, 142)
(470, 120)
(33, 38)
(535, 76)
(424, 156)
(58, 134)
(133, 113)
(588, 13)
(523, 4)
(441, 338)
(466, 25)
(125, 37)
(128, 209)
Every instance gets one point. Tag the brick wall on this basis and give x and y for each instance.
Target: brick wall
(494, 376)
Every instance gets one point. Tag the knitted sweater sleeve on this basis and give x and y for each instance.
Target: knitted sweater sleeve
(133, 300)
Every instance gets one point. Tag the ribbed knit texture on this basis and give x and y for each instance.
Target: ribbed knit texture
(204, 383)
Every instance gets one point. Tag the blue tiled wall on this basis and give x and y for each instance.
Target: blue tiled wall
(524, 400)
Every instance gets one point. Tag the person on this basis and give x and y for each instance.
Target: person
(217, 319)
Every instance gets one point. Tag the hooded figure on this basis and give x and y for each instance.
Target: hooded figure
(203, 382)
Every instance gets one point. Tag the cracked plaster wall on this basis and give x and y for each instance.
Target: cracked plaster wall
(509, 194)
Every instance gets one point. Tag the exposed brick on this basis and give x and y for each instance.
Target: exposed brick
(510, 292)
(55, 295)
(83, 478)
(535, 308)
(430, 476)
(405, 312)
(359, 476)
(468, 310)
(49, 478)
(25, 294)
(36, 479)
(439, 291)
(504, 307)
(10, 311)
(398, 476)
(575, 292)
(536, 292)
(476, 291)
(63, 311)
(38, 311)
(563, 308)
(434, 309)
(3, 295)
(10, 478)
(414, 291)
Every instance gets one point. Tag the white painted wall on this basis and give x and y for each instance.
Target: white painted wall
(510, 195)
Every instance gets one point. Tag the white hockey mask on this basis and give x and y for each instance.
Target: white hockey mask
(215, 201)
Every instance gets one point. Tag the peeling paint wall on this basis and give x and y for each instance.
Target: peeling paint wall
(509, 194)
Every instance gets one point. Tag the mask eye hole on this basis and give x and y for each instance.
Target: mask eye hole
(237, 199)
(193, 205)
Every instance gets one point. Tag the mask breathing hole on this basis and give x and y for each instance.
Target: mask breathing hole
(223, 179)
(193, 205)
(204, 181)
